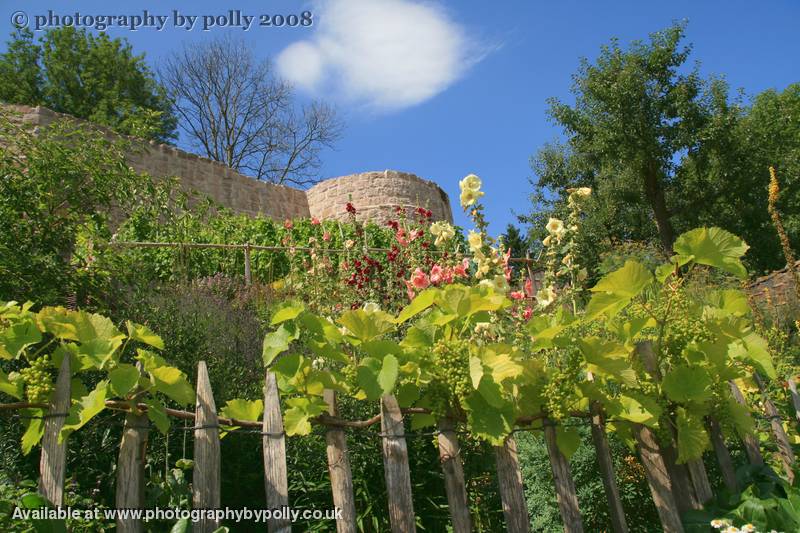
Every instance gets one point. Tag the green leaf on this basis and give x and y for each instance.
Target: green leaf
(713, 247)
(366, 326)
(407, 394)
(123, 379)
(421, 302)
(728, 302)
(692, 436)
(157, 414)
(568, 440)
(138, 332)
(288, 365)
(34, 429)
(475, 370)
(387, 376)
(296, 422)
(636, 408)
(96, 353)
(487, 422)
(500, 359)
(608, 359)
(758, 354)
(367, 376)
(615, 290)
(181, 526)
(491, 392)
(288, 311)
(243, 409)
(172, 382)
(421, 420)
(740, 417)
(276, 343)
(86, 408)
(78, 325)
(12, 384)
(17, 337)
(684, 384)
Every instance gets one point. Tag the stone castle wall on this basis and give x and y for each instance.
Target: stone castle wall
(374, 194)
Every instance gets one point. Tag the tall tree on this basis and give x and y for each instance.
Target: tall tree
(234, 110)
(512, 239)
(636, 111)
(88, 76)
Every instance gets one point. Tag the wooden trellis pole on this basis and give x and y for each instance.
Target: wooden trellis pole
(512, 492)
(776, 423)
(450, 457)
(795, 397)
(53, 460)
(130, 468)
(340, 472)
(750, 442)
(566, 495)
(395, 465)
(206, 478)
(659, 480)
(604, 460)
(273, 441)
(723, 455)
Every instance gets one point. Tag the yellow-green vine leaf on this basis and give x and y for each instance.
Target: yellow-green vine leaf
(241, 410)
(11, 384)
(277, 342)
(421, 302)
(365, 326)
(684, 384)
(172, 382)
(287, 311)
(123, 379)
(157, 414)
(615, 290)
(608, 359)
(713, 247)
(568, 440)
(34, 429)
(15, 338)
(138, 332)
(692, 436)
(486, 422)
(387, 376)
(85, 409)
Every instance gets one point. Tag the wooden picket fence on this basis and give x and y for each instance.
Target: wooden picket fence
(675, 487)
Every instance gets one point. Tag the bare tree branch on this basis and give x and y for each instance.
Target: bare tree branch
(234, 110)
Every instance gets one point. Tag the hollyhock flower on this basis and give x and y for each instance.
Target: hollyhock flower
(546, 296)
(461, 269)
(527, 313)
(555, 226)
(315, 221)
(437, 274)
(371, 307)
(470, 183)
(442, 231)
(326, 236)
(409, 290)
(288, 224)
(350, 208)
(469, 198)
(517, 295)
(475, 240)
(401, 237)
(546, 241)
(420, 279)
(529, 287)
(349, 243)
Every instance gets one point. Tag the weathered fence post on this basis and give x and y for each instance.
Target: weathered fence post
(395, 465)
(512, 492)
(450, 457)
(684, 490)
(749, 441)
(723, 455)
(339, 468)
(776, 422)
(53, 461)
(566, 495)
(273, 441)
(130, 468)
(206, 477)
(603, 453)
(659, 480)
(248, 276)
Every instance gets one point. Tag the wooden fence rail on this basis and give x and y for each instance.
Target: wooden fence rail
(664, 488)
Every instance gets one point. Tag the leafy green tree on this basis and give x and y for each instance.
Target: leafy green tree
(635, 112)
(513, 239)
(88, 76)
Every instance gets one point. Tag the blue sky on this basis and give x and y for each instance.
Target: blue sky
(443, 89)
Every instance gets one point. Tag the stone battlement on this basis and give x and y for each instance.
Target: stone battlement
(374, 194)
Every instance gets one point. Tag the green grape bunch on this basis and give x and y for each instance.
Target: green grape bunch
(38, 379)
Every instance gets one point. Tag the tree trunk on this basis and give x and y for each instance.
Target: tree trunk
(654, 191)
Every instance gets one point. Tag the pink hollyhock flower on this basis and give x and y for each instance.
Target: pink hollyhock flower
(288, 224)
(506, 257)
(420, 279)
(326, 236)
(315, 221)
(507, 272)
(409, 290)
(447, 275)
(460, 270)
(529, 288)
(527, 313)
(517, 295)
(401, 237)
(437, 274)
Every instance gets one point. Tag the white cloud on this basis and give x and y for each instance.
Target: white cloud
(385, 54)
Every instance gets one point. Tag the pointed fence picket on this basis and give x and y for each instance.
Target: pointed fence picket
(130, 468)
(512, 492)
(273, 441)
(206, 478)
(395, 465)
(455, 486)
(53, 460)
(339, 469)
